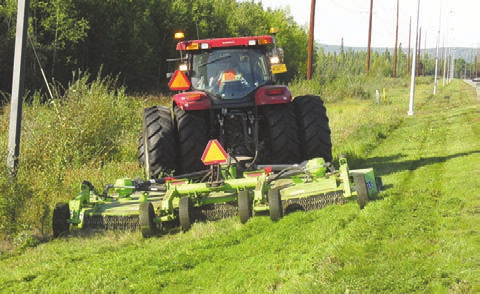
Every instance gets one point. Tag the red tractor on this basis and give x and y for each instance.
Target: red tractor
(228, 92)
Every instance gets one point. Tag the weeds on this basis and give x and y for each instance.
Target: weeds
(93, 126)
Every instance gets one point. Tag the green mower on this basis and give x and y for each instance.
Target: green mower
(222, 191)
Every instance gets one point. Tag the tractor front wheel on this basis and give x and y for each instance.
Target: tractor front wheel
(61, 215)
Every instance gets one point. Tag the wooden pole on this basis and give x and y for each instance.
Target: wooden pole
(369, 37)
(396, 46)
(311, 41)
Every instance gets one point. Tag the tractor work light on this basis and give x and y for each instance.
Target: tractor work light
(204, 46)
(252, 42)
(274, 60)
(179, 35)
(183, 67)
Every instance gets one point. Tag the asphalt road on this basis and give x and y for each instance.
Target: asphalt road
(474, 84)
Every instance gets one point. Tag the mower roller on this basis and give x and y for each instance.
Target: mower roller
(217, 193)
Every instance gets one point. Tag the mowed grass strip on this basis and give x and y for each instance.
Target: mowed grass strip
(420, 235)
(424, 233)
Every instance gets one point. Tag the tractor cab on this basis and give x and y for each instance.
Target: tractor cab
(229, 73)
(229, 68)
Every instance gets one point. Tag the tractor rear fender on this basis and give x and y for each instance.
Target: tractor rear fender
(195, 100)
(272, 95)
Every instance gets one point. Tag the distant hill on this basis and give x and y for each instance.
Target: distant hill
(467, 54)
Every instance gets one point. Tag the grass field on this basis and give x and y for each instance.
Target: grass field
(421, 234)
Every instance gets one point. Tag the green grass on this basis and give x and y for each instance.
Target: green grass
(421, 235)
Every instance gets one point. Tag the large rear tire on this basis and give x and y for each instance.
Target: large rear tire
(280, 133)
(61, 215)
(193, 136)
(157, 147)
(313, 127)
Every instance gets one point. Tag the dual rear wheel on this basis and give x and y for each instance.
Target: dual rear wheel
(292, 132)
(169, 146)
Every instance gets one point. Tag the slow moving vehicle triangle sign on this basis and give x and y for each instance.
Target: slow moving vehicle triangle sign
(179, 81)
(214, 153)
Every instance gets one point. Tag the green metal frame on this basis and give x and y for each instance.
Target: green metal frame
(311, 181)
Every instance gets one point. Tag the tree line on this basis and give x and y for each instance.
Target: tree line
(131, 40)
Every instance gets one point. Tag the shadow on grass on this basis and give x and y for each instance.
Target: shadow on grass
(385, 165)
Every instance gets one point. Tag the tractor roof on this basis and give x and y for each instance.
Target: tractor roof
(225, 42)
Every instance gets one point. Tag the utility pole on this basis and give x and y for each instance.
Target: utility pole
(311, 40)
(409, 39)
(419, 41)
(444, 63)
(452, 68)
(471, 64)
(476, 61)
(17, 86)
(436, 64)
(425, 55)
(435, 82)
(412, 81)
(396, 46)
(369, 36)
(449, 56)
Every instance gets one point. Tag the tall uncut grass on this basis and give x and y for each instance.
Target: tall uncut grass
(89, 132)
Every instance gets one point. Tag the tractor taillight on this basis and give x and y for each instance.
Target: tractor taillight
(272, 95)
(193, 97)
(276, 91)
(192, 100)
